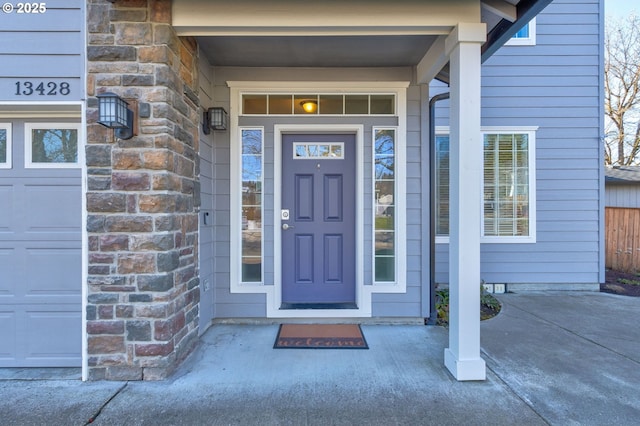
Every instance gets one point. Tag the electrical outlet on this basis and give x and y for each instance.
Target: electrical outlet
(499, 288)
(488, 288)
(205, 284)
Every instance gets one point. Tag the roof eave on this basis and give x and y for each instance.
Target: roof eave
(504, 31)
(501, 33)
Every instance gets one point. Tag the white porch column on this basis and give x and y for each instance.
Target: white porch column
(462, 357)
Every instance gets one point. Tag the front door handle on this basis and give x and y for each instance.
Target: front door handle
(286, 226)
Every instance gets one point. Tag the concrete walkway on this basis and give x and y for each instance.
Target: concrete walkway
(553, 358)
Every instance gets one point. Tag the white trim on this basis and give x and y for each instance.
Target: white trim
(8, 162)
(319, 87)
(273, 292)
(45, 110)
(82, 143)
(303, 18)
(532, 237)
(525, 41)
(28, 135)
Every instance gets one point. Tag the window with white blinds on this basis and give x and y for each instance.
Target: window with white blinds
(508, 187)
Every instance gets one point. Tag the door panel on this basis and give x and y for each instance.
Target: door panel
(304, 200)
(333, 245)
(318, 244)
(304, 259)
(333, 198)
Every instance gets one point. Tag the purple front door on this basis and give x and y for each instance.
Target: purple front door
(318, 220)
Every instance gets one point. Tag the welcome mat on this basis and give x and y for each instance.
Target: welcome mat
(320, 336)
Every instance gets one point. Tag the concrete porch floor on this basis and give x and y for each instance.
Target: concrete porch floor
(552, 358)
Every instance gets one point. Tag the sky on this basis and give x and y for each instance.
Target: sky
(620, 8)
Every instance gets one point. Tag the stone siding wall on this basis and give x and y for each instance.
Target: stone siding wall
(143, 194)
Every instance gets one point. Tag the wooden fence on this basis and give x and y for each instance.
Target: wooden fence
(622, 239)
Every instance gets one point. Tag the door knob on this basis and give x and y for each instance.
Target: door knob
(286, 226)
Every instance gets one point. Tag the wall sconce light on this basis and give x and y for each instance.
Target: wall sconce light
(309, 106)
(114, 113)
(215, 118)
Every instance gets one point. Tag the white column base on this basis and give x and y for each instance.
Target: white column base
(465, 370)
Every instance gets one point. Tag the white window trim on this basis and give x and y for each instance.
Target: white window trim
(399, 184)
(532, 237)
(28, 134)
(525, 41)
(273, 293)
(8, 163)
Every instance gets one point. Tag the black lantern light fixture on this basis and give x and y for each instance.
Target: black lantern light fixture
(215, 118)
(114, 113)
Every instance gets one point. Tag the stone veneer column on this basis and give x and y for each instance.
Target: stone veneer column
(143, 194)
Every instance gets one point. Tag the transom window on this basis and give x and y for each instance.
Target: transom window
(51, 145)
(313, 150)
(508, 213)
(5, 146)
(318, 104)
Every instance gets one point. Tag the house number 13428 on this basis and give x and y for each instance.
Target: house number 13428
(49, 88)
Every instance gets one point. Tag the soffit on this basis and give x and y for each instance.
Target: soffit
(326, 51)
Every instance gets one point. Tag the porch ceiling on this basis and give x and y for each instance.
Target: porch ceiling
(316, 51)
(335, 33)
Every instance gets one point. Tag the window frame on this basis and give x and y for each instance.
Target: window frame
(28, 138)
(8, 163)
(524, 41)
(530, 131)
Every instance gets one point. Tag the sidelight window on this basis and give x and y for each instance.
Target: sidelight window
(384, 204)
(252, 181)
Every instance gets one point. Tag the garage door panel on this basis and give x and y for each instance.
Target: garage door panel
(53, 272)
(55, 339)
(6, 209)
(7, 272)
(52, 209)
(7, 334)
(40, 336)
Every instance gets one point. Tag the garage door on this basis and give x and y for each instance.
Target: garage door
(40, 245)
